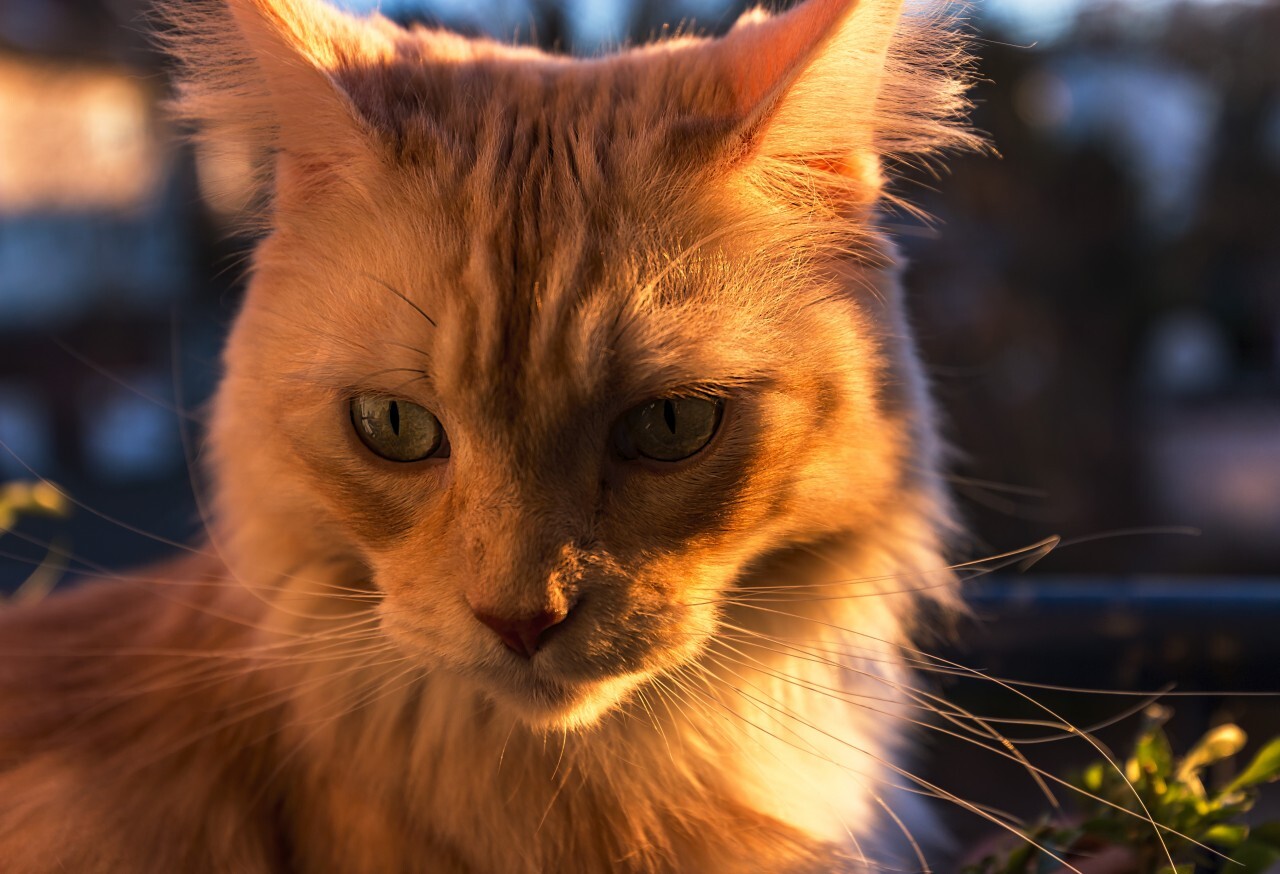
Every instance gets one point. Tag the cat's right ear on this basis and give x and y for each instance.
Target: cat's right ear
(812, 103)
(265, 76)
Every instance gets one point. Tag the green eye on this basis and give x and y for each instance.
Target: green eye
(398, 430)
(668, 429)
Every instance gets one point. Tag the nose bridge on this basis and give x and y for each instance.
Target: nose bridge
(521, 544)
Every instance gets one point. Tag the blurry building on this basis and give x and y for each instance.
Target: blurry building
(1102, 306)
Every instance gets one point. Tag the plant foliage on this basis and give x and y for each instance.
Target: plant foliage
(1159, 811)
(19, 499)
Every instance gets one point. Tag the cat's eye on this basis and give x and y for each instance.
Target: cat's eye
(398, 430)
(668, 429)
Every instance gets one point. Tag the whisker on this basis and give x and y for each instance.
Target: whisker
(404, 297)
(1032, 552)
(83, 568)
(64, 495)
(411, 671)
(1146, 815)
(713, 697)
(106, 374)
(902, 772)
(1012, 754)
(918, 697)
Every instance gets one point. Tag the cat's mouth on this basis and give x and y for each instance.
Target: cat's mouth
(544, 702)
(536, 691)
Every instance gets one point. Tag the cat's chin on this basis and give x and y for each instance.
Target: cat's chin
(577, 706)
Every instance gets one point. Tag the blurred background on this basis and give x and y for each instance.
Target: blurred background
(1099, 308)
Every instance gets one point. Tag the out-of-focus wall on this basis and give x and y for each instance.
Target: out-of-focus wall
(1102, 307)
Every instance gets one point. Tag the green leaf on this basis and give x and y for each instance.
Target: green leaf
(1153, 754)
(1233, 806)
(1225, 835)
(1220, 743)
(1194, 789)
(1092, 777)
(17, 498)
(1020, 858)
(1133, 769)
(1264, 768)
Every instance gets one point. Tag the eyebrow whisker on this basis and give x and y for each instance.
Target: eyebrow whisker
(400, 294)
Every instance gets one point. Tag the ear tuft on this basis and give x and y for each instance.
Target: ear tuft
(265, 77)
(831, 90)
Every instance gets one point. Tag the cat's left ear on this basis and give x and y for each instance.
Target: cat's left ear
(820, 96)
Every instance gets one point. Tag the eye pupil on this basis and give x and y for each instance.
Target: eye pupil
(398, 430)
(668, 428)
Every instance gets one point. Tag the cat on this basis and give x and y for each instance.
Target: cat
(576, 492)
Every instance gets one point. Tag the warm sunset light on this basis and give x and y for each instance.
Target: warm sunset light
(640, 436)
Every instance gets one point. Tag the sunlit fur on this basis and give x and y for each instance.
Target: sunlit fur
(528, 246)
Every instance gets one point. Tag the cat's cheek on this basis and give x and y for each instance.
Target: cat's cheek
(379, 502)
(725, 508)
(422, 636)
(672, 610)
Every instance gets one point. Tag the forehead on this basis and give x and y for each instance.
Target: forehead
(551, 209)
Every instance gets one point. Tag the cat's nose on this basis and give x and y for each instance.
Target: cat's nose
(523, 635)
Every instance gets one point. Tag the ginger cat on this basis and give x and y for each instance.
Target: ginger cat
(575, 487)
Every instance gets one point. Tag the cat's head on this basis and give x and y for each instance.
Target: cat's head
(555, 351)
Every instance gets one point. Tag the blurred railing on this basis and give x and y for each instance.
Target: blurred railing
(1212, 634)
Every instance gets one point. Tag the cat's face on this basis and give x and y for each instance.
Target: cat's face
(545, 348)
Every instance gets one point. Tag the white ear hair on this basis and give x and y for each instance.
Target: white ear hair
(266, 75)
(830, 87)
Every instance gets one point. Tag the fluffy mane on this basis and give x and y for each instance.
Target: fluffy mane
(530, 254)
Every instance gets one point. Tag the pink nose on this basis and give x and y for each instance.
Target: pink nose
(522, 635)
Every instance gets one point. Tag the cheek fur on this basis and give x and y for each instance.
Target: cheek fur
(380, 502)
(373, 508)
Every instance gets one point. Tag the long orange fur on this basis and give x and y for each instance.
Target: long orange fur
(528, 246)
